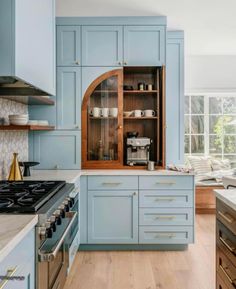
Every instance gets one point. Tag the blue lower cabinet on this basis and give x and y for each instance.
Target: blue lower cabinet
(165, 234)
(57, 150)
(21, 263)
(112, 217)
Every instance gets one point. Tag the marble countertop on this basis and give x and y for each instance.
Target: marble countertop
(227, 196)
(71, 176)
(13, 228)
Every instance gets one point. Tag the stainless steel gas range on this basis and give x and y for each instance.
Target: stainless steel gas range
(57, 231)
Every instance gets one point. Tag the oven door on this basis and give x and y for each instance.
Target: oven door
(53, 256)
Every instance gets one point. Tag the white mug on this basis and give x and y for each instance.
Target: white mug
(149, 113)
(95, 112)
(113, 111)
(105, 112)
(138, 113)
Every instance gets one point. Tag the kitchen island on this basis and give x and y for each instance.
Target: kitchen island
(225, 239)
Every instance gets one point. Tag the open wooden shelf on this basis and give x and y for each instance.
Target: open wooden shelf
(143, 117)
(26, 127)
(30, 100)
(140, 91)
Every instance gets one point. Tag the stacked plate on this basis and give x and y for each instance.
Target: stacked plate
(18, 119)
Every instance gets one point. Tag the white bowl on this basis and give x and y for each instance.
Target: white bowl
(19, 121)
(11, 116)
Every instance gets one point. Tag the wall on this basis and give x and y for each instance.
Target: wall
(210, 74)
(11, 141)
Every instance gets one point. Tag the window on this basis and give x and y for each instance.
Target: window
(210, 126)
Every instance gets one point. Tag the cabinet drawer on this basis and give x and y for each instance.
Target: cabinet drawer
(165, 234)
(226, 215)
(112, 182)
(165, 182)
(225, 269)
(19, 256)
(226, 241)
(166, 198)
(153, 217)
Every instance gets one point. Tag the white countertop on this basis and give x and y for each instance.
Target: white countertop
(227, 196)
(71, 176)
(13, 228)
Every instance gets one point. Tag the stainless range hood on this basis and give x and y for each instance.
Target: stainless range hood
(10, 85)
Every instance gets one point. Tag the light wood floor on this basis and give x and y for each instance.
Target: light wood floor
(191, 269)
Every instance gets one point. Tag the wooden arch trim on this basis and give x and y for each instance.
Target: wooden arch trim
(84, 119)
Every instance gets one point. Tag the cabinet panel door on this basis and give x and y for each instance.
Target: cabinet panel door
(69, 97)
(68, 45)
(112, 217)
(144, 45)
(175, 101)
(57, 149)
(102, 45)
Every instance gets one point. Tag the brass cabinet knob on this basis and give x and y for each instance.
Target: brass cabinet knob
(77, 126)
(119, 63)
(120, 127)
(77, 62)
(135, 194)
(125, 63)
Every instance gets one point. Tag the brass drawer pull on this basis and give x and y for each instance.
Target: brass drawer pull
(227, 275)
(10, 273)
(165, 183)
(232, 249)
(165, 235)
(111, 184)
(229, 219)
(165, 217)
(165, 199)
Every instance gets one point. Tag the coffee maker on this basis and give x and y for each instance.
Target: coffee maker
(137, 150)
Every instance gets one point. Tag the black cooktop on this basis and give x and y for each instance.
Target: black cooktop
(26, 196)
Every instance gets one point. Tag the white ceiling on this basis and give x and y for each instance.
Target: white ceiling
(209, 25)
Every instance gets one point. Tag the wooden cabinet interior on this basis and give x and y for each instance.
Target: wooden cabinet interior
(104, 136)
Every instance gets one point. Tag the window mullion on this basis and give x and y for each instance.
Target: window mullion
(206, 126)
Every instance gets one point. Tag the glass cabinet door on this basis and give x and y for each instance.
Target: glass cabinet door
(102, 130)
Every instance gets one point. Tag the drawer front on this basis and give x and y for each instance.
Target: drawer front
(14, 262)
(172, 217)
(166, 198)
(225, 269)
(226, 215)
(165, 182)
(165, 234)
(226, 241)
(112, 183)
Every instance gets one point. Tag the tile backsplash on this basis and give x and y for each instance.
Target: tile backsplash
(12, 141)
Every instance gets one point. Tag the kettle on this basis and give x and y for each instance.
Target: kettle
(15, 172)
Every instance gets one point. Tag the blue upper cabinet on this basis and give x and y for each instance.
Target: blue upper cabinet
(102, 45)
(57, 150)
(69, 97)
(68, 45)
(175, 98)
(27, 45)
(144, 45)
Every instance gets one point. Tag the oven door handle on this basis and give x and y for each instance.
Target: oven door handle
(50, 256)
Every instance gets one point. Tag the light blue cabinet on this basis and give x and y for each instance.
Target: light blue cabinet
(112, 217)
(26, 53)
(68, 45)
(69, 97)
(144, 45)
(57, 150)
(175, 98)
(102, 45)
(21, 262)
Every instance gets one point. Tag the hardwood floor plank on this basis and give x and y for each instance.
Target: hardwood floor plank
(190, 269)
